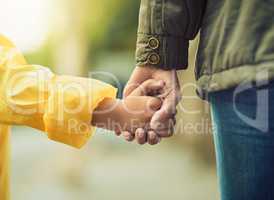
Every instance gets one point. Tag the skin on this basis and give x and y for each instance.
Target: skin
(163, 121)
(133, 112)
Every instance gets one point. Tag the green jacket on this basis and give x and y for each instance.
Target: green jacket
(236, 39)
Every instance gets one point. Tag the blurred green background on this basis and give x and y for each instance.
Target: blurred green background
(76, 37)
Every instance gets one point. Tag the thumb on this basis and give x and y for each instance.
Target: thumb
(161, 120)
(138, 76)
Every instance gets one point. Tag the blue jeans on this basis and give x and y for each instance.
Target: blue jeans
(243, 127)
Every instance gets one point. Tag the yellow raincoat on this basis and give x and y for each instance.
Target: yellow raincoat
(32, 95)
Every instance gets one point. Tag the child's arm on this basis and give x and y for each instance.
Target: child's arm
(58, 105)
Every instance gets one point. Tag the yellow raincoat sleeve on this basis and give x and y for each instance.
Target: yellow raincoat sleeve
(59, 105)
(32, 95)
(4, 162)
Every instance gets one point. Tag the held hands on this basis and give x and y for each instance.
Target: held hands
(133, 113)
(162, 121)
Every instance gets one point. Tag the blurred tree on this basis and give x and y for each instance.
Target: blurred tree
(112, 26)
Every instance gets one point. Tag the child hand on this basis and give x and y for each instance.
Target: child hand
(146, 90)
(136, 110)
(131, 113)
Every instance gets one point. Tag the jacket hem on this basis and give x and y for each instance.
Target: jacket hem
(257, 74)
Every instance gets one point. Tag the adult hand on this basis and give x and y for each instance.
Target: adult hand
(163, 121)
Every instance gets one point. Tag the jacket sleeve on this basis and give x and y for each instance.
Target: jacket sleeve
(165, 28)
(59, 105)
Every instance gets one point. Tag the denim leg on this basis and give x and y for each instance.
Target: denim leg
(244, 153)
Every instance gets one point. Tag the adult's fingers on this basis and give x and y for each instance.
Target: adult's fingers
(141, 136)
(128, 136)
(153, 138)
(165, 129)
(150, 87)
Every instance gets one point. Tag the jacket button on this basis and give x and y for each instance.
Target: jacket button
(153, 43)
(153, 59)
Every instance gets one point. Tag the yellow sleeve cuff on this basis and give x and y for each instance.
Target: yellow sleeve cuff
(71, 103)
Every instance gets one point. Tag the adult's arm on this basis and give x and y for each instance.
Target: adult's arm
(165, 28)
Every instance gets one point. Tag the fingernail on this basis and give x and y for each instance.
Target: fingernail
(161, 82)
(152, 136)
(141, 134)
(129, 138)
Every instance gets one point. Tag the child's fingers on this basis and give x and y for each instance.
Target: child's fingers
(150, 87)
